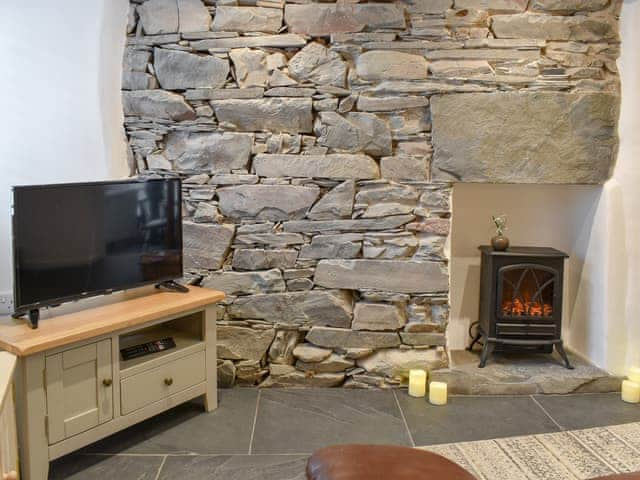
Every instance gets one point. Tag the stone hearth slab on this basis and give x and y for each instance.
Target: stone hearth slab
(522, 374)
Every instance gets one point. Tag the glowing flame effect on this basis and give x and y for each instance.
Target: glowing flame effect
(526, 308)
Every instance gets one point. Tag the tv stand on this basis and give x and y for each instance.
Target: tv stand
(73, 387)
(172, 286)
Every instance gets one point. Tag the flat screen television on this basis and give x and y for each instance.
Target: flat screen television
(82, 239)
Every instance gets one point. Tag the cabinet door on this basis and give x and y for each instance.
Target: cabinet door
(79, 390)
(8, 434)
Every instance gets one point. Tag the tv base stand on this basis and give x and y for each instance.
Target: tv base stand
(74, 388)
(172, 286)
(33, 316)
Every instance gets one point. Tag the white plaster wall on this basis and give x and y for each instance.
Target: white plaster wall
(60, 94)
(607, 330)
(598, 226)
(627, 174)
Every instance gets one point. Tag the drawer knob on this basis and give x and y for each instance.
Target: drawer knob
(168, 381)
(107, 382)
(12, 475)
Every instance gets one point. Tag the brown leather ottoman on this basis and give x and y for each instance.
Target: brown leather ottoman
(381, 462)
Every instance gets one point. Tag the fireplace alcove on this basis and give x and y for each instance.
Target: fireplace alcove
(521, 292)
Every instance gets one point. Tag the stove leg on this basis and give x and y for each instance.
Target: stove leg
(487, 348)
(474, 341)
(563, 354)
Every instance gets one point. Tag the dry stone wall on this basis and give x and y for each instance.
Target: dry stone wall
(317, 143)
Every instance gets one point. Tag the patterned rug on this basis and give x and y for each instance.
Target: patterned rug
(578, 454)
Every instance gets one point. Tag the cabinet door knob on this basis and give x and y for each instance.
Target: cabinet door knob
(168, 381)
(107, 382)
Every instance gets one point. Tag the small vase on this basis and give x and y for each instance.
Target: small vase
(500, 243)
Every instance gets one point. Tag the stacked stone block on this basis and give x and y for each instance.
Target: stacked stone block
(317, 143)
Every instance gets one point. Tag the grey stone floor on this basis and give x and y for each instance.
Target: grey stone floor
(268, 434)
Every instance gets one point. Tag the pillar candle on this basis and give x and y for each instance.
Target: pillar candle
(438, 393)
(634, 374)
(417, 383)
(630, 391)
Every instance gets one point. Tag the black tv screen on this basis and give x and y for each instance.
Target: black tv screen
(75, 240)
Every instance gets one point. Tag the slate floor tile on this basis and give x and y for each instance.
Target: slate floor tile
(589, 410)
(292, 423)
(189, 429)
(237, 467)
(301, 421)
(472, 418)
(100, 467)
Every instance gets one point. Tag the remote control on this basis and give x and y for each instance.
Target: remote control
(147, 348)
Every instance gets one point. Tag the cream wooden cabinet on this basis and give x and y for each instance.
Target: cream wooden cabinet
(79, 386)
(8, 433)
(74, 388)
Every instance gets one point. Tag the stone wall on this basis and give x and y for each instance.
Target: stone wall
(317, 155)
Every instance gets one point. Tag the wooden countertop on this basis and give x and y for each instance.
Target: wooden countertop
(64, 329)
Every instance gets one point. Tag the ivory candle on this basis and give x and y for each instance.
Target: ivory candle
(630, 391)
(634, 374)
(417, 383)
(438, 393)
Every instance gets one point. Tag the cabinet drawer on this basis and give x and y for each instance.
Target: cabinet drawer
(148, 387)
